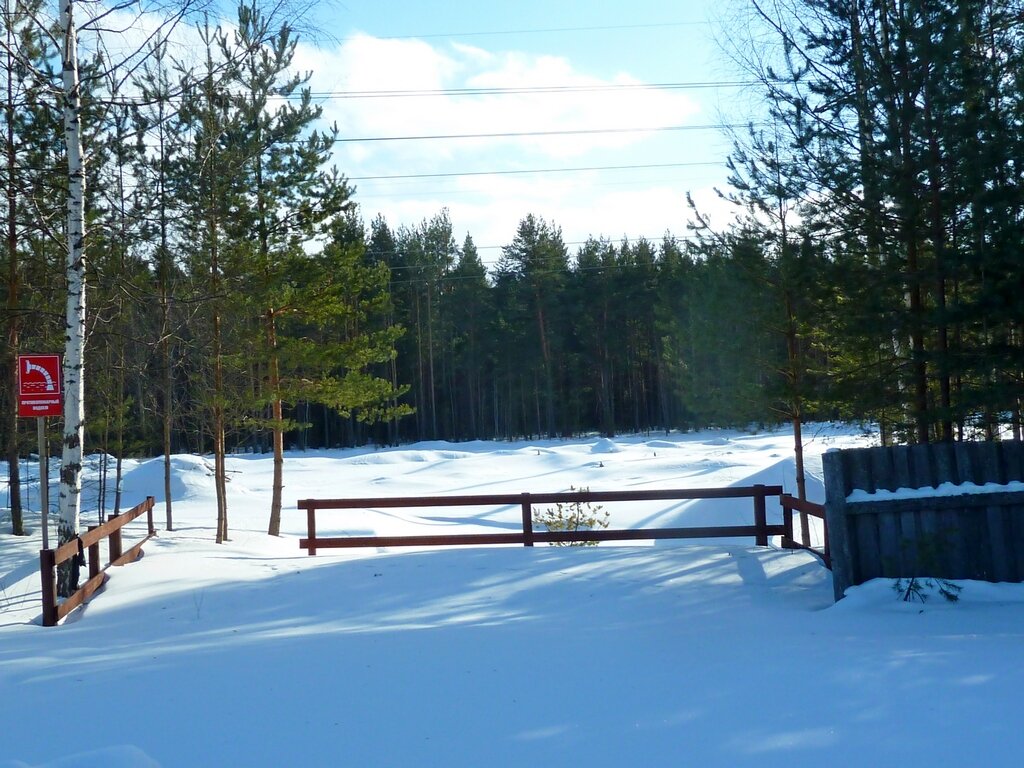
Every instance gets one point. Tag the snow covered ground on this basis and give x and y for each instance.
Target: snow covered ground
(704, 653)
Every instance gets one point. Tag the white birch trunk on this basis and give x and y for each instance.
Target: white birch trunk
(74, 347)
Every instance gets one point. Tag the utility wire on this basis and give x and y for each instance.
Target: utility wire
(524, 90)
(530, 170)
(523, 134)
(542, 30)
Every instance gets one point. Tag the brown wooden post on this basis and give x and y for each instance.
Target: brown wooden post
(311, 528)
(826, 553)
(527, 521)
(48, 577)
(114, 540)
(150, 502)
(94, 555)
(760, 516)
(787, 523)
(837, 542)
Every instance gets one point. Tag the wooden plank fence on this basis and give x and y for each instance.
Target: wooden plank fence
(49, 559)
(964, 536)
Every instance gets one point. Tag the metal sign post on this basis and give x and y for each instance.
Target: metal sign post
(39, 395)
(39, 391)
(44, 479)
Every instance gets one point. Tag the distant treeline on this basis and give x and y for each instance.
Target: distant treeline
(873, 273)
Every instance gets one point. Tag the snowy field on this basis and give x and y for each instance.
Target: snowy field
(711, 653)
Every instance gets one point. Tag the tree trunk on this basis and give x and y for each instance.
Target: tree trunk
(274, 373)
(13, 316)
(74, 383)
(795, 382)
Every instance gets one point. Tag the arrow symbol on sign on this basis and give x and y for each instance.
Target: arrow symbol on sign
(30, 366)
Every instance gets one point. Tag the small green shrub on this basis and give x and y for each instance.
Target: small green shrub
(572, 516)
(929, 550)
(916, 589)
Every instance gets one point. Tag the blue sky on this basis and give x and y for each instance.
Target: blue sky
(597, 53)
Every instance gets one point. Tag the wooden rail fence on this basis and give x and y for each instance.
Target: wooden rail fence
(791, 504)
(760, 530)
(49, 559)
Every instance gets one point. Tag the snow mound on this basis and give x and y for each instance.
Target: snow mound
(661, 444)
(113, 757)
(604, 445)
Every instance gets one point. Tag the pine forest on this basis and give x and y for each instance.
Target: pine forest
(239, 301)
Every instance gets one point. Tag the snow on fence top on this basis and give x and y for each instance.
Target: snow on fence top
(944, 489)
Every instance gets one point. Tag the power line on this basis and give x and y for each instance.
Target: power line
(524, 134)
(547, 30)
(525, 90)
(530, 170)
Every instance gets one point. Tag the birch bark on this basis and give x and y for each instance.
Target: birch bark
(74, 343)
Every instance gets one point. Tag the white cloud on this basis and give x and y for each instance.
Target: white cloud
(613, 204)
(490, 207)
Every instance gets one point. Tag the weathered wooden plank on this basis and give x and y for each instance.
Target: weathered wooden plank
(973, 535)
(988, 464)
(943, 462)
(882, 471)
(901, 468)
(909, 532)
(926, 544)
(977, 536)
(1012, 456)
(1013, 518)
(922, 472)
(950, 552)
(965, 470)
(975, 501)
(889, 544)
(858, 469)
(869, 554)
(1000, 556)
(839, 545)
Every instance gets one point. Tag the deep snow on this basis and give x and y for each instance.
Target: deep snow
(686, 653)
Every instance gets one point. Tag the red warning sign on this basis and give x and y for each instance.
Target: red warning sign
(39, 385)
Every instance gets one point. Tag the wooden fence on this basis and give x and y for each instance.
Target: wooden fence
(760, 530)
(806, 509)
(968, 535)
(89, 542)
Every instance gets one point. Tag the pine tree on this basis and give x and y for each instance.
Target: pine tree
(537, 264)
(287, 197)
(29, 176)
(467, 306)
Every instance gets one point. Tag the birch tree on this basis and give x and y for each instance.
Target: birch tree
(69, 495)
(74, 316)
